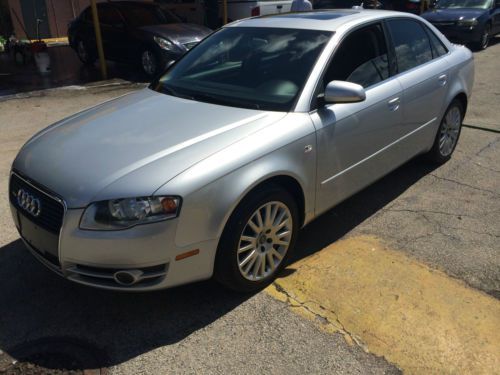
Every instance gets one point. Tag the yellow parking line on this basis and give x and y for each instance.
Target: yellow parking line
(417, 318)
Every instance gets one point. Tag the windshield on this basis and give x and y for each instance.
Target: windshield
(138, 16)
(451, 4)
(261, 68)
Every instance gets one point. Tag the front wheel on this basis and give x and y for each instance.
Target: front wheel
(484, 41)
(257, 240)
(448, 133)
(150, 63)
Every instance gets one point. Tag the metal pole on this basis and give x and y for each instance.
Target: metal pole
(98, 40)
(224, 11)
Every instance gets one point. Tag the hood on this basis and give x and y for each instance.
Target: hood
(437, 15)
(179, 32)
(132, 145)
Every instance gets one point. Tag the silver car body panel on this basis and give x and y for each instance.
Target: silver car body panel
(147, 143)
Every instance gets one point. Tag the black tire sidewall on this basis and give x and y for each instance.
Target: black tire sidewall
(90, 56)
(226, 267)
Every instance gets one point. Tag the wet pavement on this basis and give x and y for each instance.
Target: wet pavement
(66, 69)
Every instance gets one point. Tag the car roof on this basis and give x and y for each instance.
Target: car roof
(327, 20)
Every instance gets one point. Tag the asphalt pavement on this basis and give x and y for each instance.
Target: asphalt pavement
(404, 275)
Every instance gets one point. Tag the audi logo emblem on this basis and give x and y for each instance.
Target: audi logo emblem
(29, 203)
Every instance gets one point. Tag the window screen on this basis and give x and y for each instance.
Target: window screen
(361, 58)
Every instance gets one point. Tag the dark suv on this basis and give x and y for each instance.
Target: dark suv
(134, 32)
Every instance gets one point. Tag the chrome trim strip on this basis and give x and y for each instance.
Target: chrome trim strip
(378, 152)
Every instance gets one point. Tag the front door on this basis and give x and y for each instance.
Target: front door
(354, 140)
(114, 33)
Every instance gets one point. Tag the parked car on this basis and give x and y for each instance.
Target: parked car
(350, 4)
(212, 170)
(134, 32)
(471, 22)
(410, 6)
(195, 10)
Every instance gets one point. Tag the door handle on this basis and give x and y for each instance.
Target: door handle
(393, 104)
(442, 79)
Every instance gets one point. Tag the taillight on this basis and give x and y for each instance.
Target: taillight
(411, 6)
(255, 11)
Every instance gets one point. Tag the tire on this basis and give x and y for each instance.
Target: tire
(483, 43)
(150, 63)
(231, 264)
(84, 53)
(448, 134)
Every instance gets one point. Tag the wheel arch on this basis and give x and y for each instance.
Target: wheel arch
(462, 98)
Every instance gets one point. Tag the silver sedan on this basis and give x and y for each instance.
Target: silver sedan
(213, 169)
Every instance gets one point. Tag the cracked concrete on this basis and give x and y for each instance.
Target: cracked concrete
(415, 317)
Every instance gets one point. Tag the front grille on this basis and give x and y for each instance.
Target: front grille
(51, 209)
(190, 44)
(443, 23)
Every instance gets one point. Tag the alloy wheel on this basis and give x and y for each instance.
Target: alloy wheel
(450, 129)
(485, 38)
(148, 63)
(264, 241)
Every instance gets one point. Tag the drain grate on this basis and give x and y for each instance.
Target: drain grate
(55, 356)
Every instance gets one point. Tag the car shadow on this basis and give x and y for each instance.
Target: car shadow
(37, 304)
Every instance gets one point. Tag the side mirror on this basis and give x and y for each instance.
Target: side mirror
(344, 92)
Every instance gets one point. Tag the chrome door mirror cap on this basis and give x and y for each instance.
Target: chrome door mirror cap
(344, 92)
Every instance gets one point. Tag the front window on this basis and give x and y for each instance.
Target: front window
(260, 68)
(451, 4)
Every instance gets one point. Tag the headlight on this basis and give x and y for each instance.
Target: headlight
(125, 213)
(467, 23)
(164, 43)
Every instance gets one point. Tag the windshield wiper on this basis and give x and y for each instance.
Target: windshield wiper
(167, 90)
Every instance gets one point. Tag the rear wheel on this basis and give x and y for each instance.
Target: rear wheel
(448, 133)
(257, 240)
(84, 54)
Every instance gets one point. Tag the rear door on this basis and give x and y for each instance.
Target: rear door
(423, 74)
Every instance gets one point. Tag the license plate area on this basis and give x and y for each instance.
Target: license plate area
(43, 241)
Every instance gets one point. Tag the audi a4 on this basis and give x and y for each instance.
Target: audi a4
(256, 131)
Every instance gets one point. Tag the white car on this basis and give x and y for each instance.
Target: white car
(193, 11)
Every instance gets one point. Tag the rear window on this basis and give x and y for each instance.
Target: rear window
(412, 45)
(438, 48)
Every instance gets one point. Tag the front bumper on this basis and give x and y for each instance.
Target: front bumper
(93, 257)
(461, 34)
